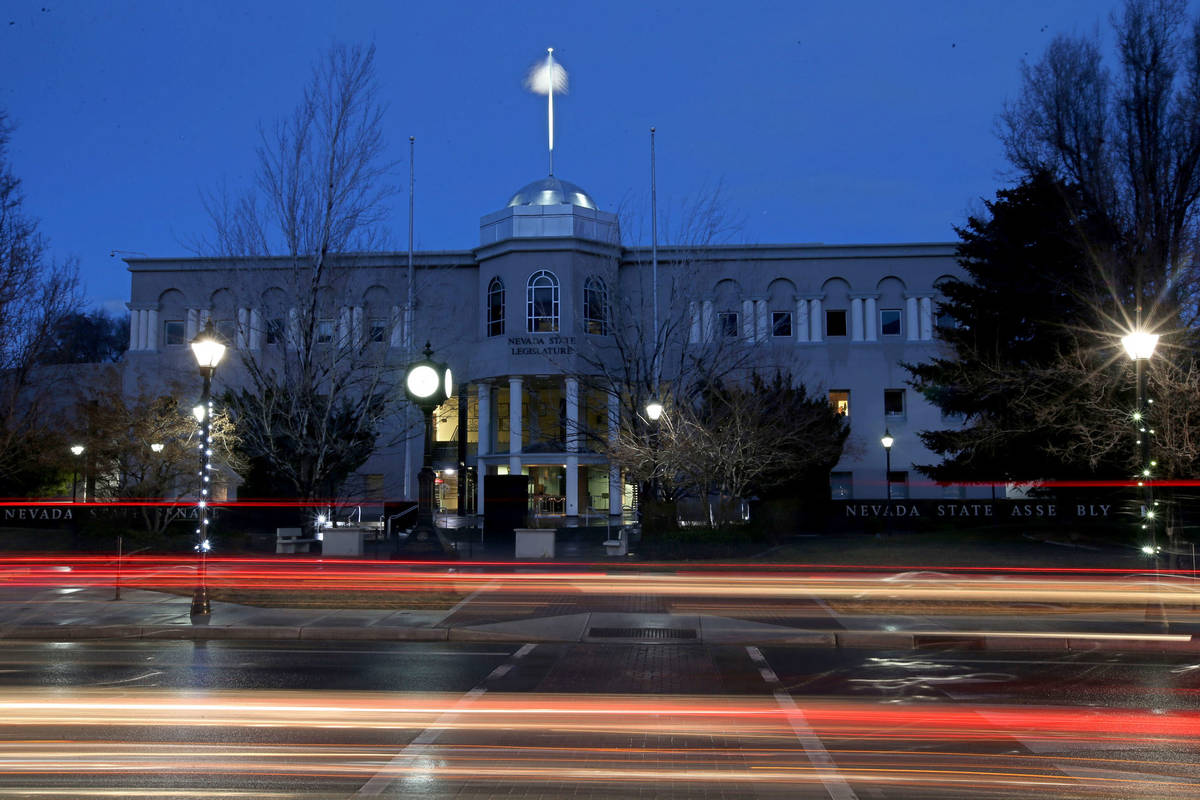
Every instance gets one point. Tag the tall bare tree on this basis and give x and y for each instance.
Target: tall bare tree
(35, 294)
(315, 393)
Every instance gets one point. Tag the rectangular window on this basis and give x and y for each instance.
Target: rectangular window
(275, 331)
(840, 400)
(377, 331)
(841, 485)
(324, 331)
(835, 322)
(893, 402)
(898, 485)
(227, 330)
(781, 323)
(889, 322)
(727, 324)
(174, 333)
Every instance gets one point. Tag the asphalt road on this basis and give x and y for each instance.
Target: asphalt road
(228, 719)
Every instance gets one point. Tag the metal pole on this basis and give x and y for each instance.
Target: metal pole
(654, 263)
(200, 602)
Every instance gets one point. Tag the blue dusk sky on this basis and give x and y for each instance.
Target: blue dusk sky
(835, 122)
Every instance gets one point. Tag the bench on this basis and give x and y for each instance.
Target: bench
(618, 545)
(288, 539)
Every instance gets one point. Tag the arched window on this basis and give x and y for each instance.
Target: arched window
(542, 295)
(595, 306)
(495, 308)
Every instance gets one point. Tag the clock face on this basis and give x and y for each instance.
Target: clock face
(449, 384)
(422, 380)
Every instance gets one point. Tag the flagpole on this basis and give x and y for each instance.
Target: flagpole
(550, 104)
(654, 257)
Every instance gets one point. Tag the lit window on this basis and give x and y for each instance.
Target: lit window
(495, 308)
(889, 322)
(324, 331)
(893, 402)
(781, 323)
(173, 333)
(595, 306)
(727, 324)
(835, 323)
(840, 400)
(542, 302)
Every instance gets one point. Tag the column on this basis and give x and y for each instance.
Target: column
(485, 440)
(802, 320)
(397, 339)
(572, 508)
(243, 328)
(133, 328)
(760, 320)
(256, 329)
(748, 320)
(515, 395)
(204, 315)
(872, 318)
(814, 319)
(143, 322)
(193, 324)
(614, 433)
(572, 400)
(356, 325)
(344, 331)
(152, 329)
(856, 319)
(926, 318)
(694, 315)
(293, 330)
(706, 322)
(911, 321)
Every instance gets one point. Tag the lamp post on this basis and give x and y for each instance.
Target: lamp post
(427, 384)
(1139, 345)
(654, 412)
(77, 451)
(887, 441)
(208, 349)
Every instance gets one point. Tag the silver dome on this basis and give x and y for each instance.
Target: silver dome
(552, 192)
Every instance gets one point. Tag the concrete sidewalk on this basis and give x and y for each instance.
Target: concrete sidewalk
(72, 614)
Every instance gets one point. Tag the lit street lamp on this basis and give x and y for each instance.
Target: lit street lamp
(77, 451)
(1139, 345)
(427, 384)
(208, 349)
(887, 441)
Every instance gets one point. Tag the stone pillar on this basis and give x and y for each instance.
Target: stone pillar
(256, 329)
(357, 325)
(748, 320)
(133, 328)
(706, 322)
(926, 318)
(871, 318)
(761, 324)
(152, 329)
(515, 396)
(205, 315)
(243, 328)
(802, 320)
(571, 394)
(397, 338)
(614, 433)
(485, 441)
(572, 505)
(694, 315)
(193, 325)
(814, 319)
(911, 320)
(856, 319)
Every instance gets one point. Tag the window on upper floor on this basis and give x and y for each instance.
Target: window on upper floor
(893, 402)
(324, 331)
(835, 322)
(595, 306)
(781, 323)
(174, 333)
(889, 322)
(495, 307)
(840, 400)
(727, 324)
(275, 330)
(377, 330)
(542, 302)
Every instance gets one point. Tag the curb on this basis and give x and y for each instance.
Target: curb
(883, 640)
